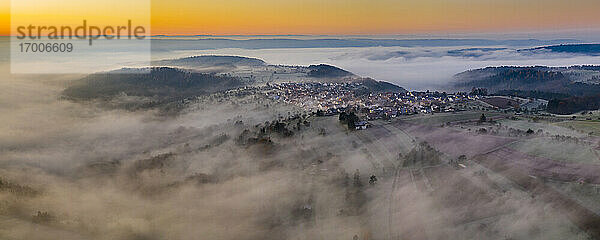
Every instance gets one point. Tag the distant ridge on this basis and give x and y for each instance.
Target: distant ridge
(584, 49)
(274, 43)
(212, 60)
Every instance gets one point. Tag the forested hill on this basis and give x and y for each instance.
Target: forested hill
(576, 80)
(161, 87)
(327, 71)
(572, 105)
(370, 85)
(161, 82)
(570, 89)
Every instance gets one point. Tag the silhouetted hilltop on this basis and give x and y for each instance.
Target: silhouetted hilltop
(327, 71)
(212, 60)
(372, 85)
(586, 49)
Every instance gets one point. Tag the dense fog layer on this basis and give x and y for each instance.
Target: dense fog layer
(223, 169)
(408, 67)
(75, 171)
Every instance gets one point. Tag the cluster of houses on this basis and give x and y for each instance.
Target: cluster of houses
(315, 96)
(329, 99)
(333, 98)
(391, 105)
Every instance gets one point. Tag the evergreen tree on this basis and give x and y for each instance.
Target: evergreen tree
(482, 118)
(357, 182)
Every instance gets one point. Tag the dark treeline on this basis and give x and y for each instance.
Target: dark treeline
(531, 78)
(536, 80)
(161, 82)
(349, 118)
(327, 71)
(532, 94)
(573, 104)
(591, 49)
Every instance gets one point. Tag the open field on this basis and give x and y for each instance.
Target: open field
(501, 102)
(585, 127)
(455, 142)
(547, 168)
(586, 194)
(504, 164)
(438, 119)
(550, 129)
(491, 198)
(441, 202)
(563, 151)
(464, 199)
(523, 161)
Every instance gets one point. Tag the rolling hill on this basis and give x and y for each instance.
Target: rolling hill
(575, 80)
(160, 82)
(569, 89)
(180, 79)
(211, 60)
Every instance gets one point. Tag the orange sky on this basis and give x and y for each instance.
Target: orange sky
(4, 17)
(342, 16)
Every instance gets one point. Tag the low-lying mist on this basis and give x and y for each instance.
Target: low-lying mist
(78, 171)
(232, 166)
(408, 67)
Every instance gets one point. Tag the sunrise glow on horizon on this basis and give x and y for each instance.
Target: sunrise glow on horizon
(344, 17)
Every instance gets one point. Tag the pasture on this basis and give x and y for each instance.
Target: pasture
(564, 151)
(584, 127)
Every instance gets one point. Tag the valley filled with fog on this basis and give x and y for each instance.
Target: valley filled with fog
(242, 154)
(417, 68)
(238, 166)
